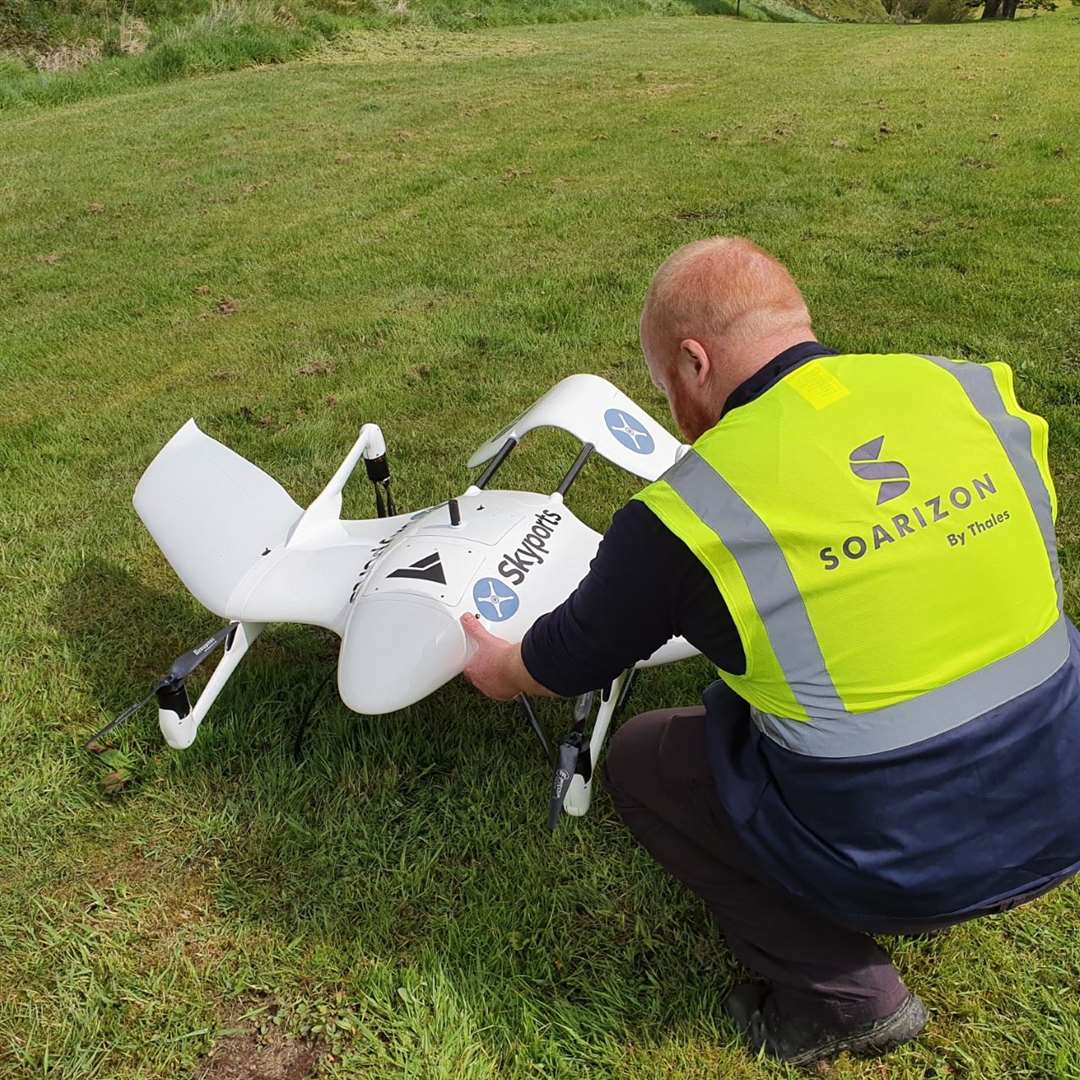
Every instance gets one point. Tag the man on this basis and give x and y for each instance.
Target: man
(864, 545)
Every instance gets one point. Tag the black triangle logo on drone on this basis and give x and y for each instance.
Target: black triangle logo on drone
(429, 568)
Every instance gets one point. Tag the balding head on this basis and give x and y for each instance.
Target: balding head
(716, 311)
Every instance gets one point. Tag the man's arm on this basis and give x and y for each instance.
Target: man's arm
(644, 586)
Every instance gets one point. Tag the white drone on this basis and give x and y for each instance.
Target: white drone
(393, 587)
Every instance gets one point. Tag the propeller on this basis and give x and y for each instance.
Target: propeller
(187, 662)
(170, 687)
(572, 758)
(378, 472)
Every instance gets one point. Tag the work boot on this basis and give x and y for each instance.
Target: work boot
(802, 1041)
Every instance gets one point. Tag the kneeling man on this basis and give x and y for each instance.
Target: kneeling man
(864, 546)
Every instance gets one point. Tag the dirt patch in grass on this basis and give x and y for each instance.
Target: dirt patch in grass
(273, 1056)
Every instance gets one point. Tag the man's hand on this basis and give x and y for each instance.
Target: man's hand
(495, 666)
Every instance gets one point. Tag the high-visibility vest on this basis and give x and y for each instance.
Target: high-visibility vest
(881, 528)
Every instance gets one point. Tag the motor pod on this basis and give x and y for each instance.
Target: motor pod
(174, 712)
(568, 765)
(378, 469)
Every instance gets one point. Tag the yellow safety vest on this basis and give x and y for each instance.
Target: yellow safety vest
(882, 530)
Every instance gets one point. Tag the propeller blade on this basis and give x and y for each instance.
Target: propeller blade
(181, 668)
(565, 768)
(527, 711)
(583, 705)
(186, 663)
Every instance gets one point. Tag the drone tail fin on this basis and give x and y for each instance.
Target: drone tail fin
(212, 513)
(596, 412)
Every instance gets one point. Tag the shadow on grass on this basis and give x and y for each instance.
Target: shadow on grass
(410, 852)
(123, 636)
(405, 863)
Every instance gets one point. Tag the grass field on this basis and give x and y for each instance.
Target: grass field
(57, 52)
(427, 230)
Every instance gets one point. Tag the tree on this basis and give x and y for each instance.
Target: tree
(1006, 9)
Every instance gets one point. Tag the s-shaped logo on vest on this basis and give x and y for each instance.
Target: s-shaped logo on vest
(893, 477)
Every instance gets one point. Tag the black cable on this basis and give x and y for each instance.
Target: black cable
(305, 720)
(525, 707)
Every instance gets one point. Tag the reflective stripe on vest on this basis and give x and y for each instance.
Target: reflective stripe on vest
(1015, 437)
(833, 731)
(929, 714)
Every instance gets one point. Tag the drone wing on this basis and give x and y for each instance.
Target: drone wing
(596, 412)
(212, 513)
(231, 533)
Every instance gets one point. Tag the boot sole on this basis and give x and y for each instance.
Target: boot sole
(904, 1025)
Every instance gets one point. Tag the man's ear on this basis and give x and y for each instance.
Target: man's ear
(696, 354)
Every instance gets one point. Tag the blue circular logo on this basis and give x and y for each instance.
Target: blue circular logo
(494, 599)
(629, 431)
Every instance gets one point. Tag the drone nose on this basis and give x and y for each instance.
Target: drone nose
(397, 649)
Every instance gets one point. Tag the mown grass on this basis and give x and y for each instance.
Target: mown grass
(62, 51)
(443, 225)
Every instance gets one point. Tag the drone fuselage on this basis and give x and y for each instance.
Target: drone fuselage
(512, 554)
(393, 588)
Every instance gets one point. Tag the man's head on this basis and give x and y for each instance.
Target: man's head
(717, 311)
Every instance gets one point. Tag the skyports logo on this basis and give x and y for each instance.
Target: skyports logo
(533, 549)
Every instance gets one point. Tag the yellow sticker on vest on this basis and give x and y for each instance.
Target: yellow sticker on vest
(816, 384)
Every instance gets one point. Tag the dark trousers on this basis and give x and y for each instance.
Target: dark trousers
(659, 777)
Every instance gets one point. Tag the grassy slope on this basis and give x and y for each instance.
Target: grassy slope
(451, 224)
(845, 10)
(45, 20)
(147, 42)
(466, 14)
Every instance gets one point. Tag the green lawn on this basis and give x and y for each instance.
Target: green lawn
(58, 52)
(428, 230)
(61, 51)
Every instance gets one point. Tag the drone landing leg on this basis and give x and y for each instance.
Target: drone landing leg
(178, 723)
(579, 794)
